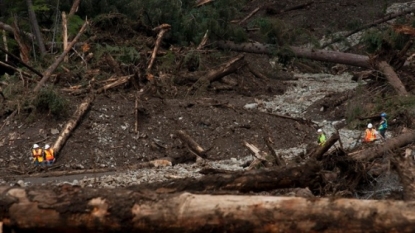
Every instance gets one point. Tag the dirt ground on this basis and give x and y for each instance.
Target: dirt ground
(215, 118)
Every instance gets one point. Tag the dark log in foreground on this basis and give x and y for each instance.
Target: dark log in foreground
(250, 181)
(385, 148)
(68, 209)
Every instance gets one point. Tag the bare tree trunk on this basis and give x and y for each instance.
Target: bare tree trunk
(392, 78)
(35, 26)
(9, 28)
(65, 34)
(389, 145)
(24, 49)
(162, 29)
(72, 123)
(305, 175)
(51, 68)
(70, 209)
(74, 7)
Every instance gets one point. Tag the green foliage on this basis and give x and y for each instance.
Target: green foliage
(394, 104)
(275, 31)
(74, 24)
(50, 101)
(167, 61)
(123, 54)
(192, 60)
(372, 39)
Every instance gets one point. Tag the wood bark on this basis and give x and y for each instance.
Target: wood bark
(35, 26)
(192, 144)
(65, 34)
(228, 68)
(48, 72)
(72, 123)
(24, 49)
(392, 78)
(74, 8)
(162, 30)
(386, 147)
(306, 175)
(406, 170)
(118, 82)
(203, 41)
(272, 10)
(249, 15)
(70, 209)
(313, 54)
(318, 154)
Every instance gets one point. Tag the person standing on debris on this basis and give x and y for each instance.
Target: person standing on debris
(37, 154)
(321, 137)
(49, 155)
(383, 125)
(370, 134)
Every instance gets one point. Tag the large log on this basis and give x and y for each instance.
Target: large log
(318, 154)
(313, 54)
(302, 176)
(68, 209)
(72, 123)
(386, 147)
(392, 78)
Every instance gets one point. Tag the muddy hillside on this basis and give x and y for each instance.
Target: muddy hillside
(217, 110)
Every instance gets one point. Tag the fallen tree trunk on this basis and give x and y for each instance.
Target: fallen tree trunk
(228, 68)
(324, 56)
(318, 55)
(70, 209)
(162, 30)
(392, 78)
(302, 176)
(389, 145)
(48, 72)
(72, 123)
(21, 62)
(191, 143)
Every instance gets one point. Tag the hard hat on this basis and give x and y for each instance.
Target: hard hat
(35, 146)
(370, 125)
(383, 114)
(47, 146)
(319, 130)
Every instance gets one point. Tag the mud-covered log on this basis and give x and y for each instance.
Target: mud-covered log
(318, 154)
(228, 68)
(313, 54)
(302, 176)
(191, 143)
(72, 123)
(68, 209)
(384, 148)
(392, 78)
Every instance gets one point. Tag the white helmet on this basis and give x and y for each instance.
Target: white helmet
(47, 146)
(369, 125)
(319, 131)
(35, 146)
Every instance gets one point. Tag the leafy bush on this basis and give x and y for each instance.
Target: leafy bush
(50, 101)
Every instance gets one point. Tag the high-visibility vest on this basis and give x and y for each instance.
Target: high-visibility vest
(370, 135)
(49, 154)
(321, 139)
(383, 124)
(37, 153)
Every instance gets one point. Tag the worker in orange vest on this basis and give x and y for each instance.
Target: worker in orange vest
(49, 155)
(370, 134)
(37, 154)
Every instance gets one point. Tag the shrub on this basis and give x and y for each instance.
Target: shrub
(50, 101)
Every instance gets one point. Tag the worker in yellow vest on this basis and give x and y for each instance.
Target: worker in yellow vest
(49, 155)
(321, 139)
(37, 154)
